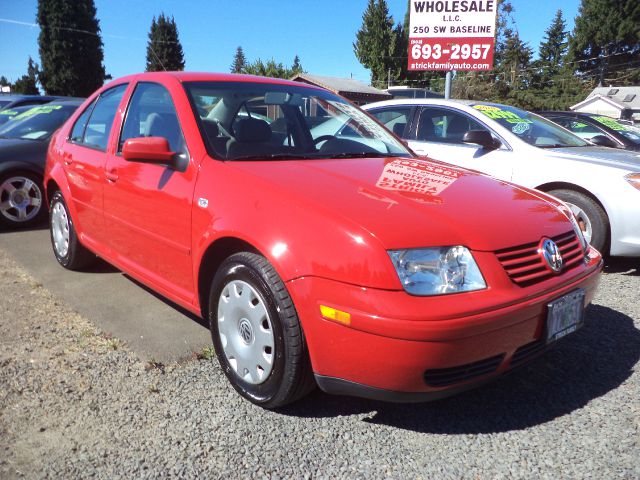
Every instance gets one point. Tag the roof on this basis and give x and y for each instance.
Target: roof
(618, 97)
(340, 85)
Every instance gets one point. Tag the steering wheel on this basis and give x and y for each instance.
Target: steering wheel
(322, 138)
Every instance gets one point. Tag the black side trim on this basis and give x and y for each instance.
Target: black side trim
(338, 386)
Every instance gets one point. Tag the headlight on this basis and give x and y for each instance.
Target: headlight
(436, 271)
(633, 179)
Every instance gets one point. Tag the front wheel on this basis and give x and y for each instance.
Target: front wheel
(21, 199)
(257, 334)
(69, 252)
(592, 219)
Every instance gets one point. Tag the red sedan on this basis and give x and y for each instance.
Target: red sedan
(319, 249)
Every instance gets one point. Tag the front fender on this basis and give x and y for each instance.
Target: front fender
(17, 165)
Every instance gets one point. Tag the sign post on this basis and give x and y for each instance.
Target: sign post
(452, 35)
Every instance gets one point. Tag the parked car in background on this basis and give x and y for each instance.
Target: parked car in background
(10, 100)
(600, 185)
(23, 148)
(598, 129)
(314, 258)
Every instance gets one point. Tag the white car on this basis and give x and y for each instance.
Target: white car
(600, 185)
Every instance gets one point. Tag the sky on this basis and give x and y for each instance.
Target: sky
(320, 32)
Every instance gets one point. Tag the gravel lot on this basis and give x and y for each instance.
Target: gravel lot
(76, 403)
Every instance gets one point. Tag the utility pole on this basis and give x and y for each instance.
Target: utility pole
(447, 85)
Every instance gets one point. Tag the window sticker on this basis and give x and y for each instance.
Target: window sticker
(8, 112)
(495, 113)
(520, 128)
(38, 110)
(612, 124)
(578, 125)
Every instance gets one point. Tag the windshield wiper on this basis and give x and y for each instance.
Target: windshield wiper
(558, 145)
(359, 155)
(273, 156)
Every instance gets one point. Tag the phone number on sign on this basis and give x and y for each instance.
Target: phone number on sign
(454, 51)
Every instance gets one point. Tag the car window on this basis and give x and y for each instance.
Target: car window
(151, 113)
(394, 118)
(270, 121)
(77, 132)
(529, 127)
(630, 132)
(98, 126)
(445, 126)
(37, 123)
(581, 129)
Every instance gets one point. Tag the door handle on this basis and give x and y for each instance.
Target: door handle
(68, 159)
(112, 176)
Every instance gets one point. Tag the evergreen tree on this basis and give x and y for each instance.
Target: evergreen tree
(239, 61)
(27, 84)
(70, 47)
(606, 39)
(296, 68)
(164, 50)
(4, 82)
(376, 41)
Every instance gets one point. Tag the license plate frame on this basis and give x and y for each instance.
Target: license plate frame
(565, 315)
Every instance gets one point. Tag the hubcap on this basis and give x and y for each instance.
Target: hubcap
(583, 221)
(60, 229)
(20, 199)
(246, 332)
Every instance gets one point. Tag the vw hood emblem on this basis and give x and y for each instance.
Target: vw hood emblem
(551, 254)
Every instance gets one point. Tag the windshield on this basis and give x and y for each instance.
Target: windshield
(630, 132)
(531, 128)
(37, 123)
(263, 121)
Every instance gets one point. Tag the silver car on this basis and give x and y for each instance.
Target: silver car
(600, 185)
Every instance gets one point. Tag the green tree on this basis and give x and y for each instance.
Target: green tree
(296, 68)
(70, 47)
(27, 84)
(606, 40)
(164, 50)
(376, 41)
(554, 46)
(269, 69)
(4, 82)
(239, 61)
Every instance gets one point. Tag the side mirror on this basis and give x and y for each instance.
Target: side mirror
(482, 138)
(603, 141)
(148, 150)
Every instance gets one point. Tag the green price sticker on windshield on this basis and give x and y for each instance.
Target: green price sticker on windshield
(612, 123)
(38, 110)
(496, 113)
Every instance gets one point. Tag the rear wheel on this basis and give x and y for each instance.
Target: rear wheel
(257, 334)
(592, 219)
(69, 252)
(21, 199)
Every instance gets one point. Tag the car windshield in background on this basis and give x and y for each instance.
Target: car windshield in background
(262, 121)
(10, 113)
(629, 131)
(37, 123)
(531, 128)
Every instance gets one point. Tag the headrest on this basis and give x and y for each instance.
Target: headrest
(252, 130)
(211, 128)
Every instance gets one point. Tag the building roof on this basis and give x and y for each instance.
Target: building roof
(619, 97)
(340, 85)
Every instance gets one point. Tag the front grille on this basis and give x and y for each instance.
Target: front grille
(442, 377)
(527, 352)
(525, 266)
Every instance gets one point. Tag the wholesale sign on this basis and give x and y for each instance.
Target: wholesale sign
(452, 34)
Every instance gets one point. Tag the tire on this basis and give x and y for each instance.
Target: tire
(69, 252)
(21, 199)
(256, 332)
(592, 218)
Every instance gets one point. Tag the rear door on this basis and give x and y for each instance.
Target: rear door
(148, 206)
(84, 160)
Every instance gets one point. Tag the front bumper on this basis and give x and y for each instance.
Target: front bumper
(404, 348)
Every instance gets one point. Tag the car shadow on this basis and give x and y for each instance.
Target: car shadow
(625, 265)
(44, 225)
(586, 365)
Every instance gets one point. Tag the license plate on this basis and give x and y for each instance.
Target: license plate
(565, 315)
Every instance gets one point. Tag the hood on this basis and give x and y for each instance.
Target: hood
(610, 157)
(408, 203)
